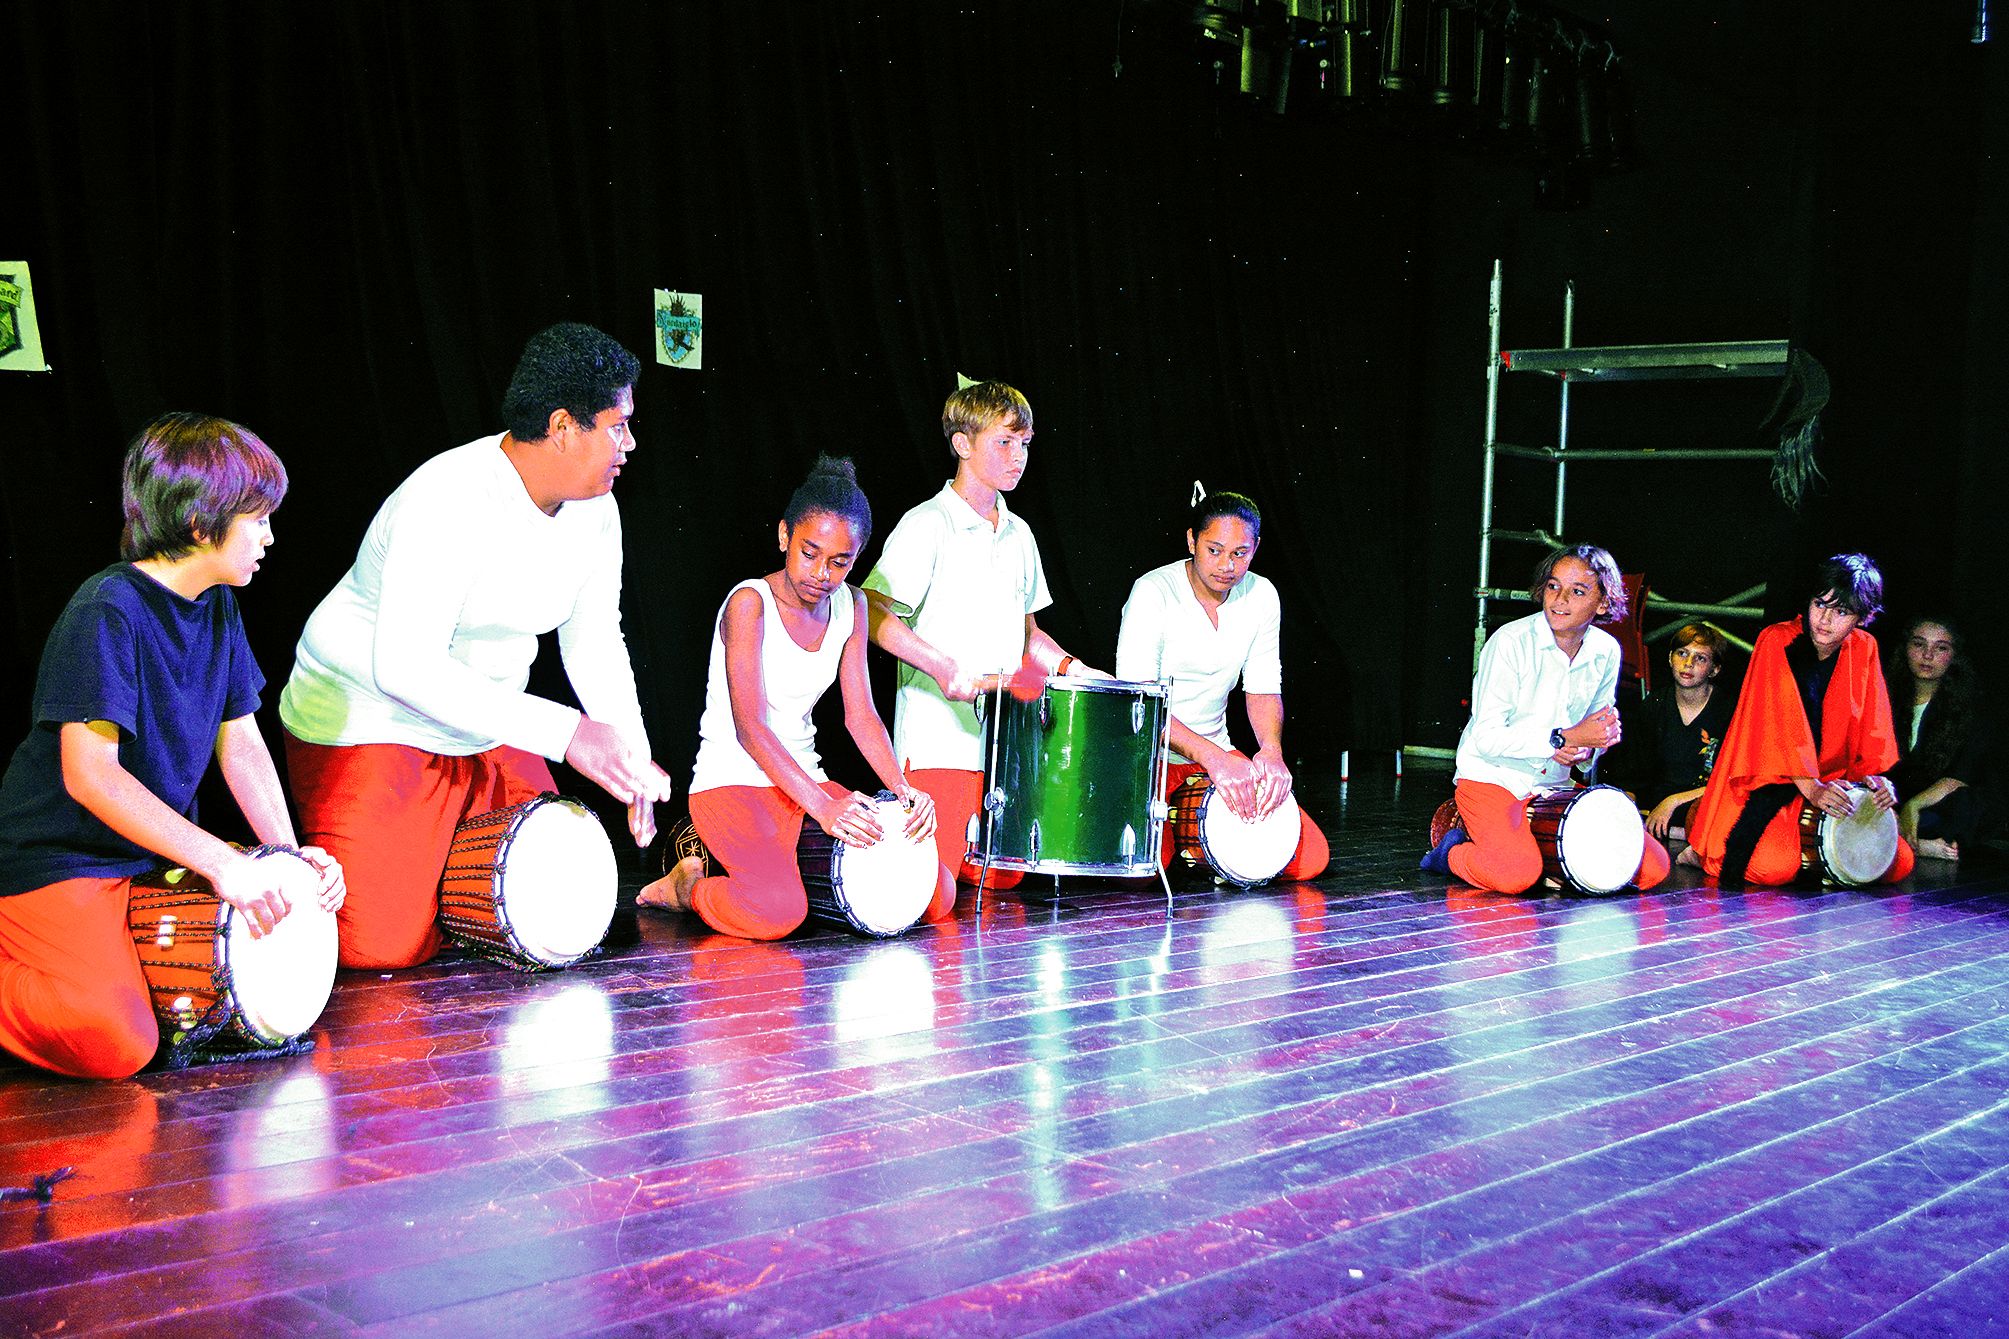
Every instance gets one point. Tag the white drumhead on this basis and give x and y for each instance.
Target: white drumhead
(1249, 852)
(280, 982)
(1859, 847)
(887, 885)
(1601, 840)
(558, 881)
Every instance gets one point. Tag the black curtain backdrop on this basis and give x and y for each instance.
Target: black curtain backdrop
(338, 224)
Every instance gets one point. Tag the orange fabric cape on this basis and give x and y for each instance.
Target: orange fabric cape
(1769, 740)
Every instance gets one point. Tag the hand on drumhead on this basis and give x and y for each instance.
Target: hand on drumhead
(1829, 797)
(255, 888)
(334, 887)
(1273, 781)
(852, 819)
(1080, 671)
(1238, 783)
(920, 805)
(1882, 791)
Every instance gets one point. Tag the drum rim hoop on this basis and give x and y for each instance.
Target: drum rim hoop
(1574, 796)
(517, 954)
(1200, 828)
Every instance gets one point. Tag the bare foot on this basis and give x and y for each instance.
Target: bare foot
(1937, 848)
(672, 892)
(1690, 857)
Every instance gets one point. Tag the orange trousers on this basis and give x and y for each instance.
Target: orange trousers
(387, 812)
(1776, 858)
(71, 995)
(957, 795)
(1313, 853)
(1501, 854)
(752, 831)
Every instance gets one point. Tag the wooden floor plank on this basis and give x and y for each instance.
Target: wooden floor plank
(1373, 1104)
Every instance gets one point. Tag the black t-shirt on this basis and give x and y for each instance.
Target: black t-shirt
(1813, 675)
(168, 672)
(1661, 755)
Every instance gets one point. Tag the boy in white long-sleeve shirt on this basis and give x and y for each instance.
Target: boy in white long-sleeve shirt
(1543, 701)
(406, 711)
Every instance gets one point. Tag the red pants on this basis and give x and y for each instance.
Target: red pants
(1501, 853)
(71, 995)
(1776, 858)
(752, 831)
(387, 812)
(1313, 853)
(957, 795)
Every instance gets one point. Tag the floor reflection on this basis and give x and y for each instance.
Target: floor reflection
(557, 1048)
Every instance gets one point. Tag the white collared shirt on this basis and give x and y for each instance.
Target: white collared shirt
(970, 588)
(1526, 687)
(1166, 633)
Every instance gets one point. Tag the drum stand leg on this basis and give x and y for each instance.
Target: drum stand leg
(1166, 884)
(993, 804)
(983, 874)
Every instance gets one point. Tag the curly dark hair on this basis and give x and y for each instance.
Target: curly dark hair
(1955, 703)
(567, 366)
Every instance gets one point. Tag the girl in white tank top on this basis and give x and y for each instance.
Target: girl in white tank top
(777, 645)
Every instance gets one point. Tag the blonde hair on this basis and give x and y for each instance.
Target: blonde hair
(981, 403)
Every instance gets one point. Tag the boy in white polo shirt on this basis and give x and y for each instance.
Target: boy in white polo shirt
(966, 572)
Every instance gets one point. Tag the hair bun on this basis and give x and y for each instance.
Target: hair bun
(841, 467)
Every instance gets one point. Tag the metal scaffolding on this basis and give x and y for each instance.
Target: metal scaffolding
(1568, 366)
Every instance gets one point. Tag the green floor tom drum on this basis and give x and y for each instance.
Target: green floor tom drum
(1073, 778)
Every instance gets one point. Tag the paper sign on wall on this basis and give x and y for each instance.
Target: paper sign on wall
(680, 329)
(20, 339)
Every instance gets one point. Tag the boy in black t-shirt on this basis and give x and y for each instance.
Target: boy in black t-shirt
(145, 676)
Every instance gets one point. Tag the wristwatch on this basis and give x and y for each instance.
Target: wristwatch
(1555, 739)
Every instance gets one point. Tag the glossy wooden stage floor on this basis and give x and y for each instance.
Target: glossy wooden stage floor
(1369, 1106)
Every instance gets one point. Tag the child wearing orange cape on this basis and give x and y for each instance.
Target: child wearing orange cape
(1812, 724)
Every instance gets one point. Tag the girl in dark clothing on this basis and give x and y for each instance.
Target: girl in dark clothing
(1935, 707)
